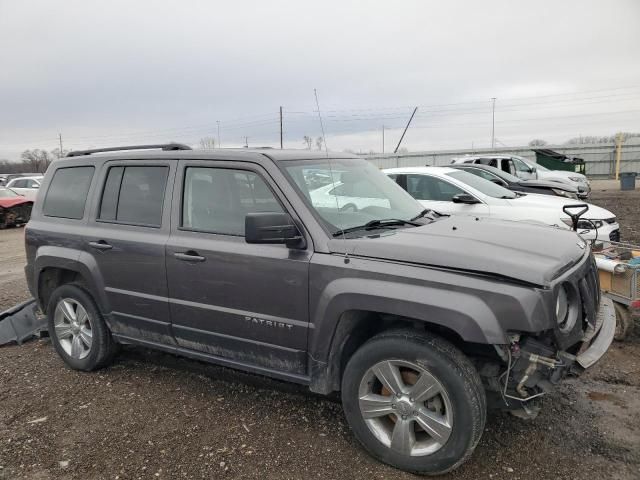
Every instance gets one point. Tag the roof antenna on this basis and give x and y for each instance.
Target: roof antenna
(326, 151)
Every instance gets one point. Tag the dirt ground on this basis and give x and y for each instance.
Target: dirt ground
(152, 415)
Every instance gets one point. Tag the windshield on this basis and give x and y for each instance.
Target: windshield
(483, 186)
(498, 173)
(347, 193)
(6, 193)
(535, 165)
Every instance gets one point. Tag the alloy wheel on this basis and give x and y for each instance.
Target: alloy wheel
(406, 407)
(73, 328)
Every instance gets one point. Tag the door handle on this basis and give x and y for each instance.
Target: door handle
(100, 245)
(189, 256)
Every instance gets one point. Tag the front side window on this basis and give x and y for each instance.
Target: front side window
(217, 200)
(19, 184)
(134, 195)
(521, 166)
(67, 192)
(426, 187)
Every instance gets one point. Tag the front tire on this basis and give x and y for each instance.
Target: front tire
(414, 401)
(77, 329)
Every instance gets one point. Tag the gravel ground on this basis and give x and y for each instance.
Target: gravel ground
(152, 415)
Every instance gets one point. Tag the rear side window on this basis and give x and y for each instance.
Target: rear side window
(134, 195)
(67, 192)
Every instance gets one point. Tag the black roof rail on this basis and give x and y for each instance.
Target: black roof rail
(164, 146)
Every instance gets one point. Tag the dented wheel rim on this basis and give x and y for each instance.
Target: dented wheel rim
(406, 407)
(73, 328)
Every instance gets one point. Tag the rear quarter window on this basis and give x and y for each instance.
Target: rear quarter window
(67, 193)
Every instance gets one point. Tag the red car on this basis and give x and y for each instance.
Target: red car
(14, 209)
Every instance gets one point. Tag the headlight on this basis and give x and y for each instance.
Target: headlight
(566, 313)
(564, 193)
(584, 224)
(576, 179)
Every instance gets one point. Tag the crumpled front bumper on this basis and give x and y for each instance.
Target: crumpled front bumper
(534, 366)
(599, 338)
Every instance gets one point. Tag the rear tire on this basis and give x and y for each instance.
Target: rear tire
(77, 329)
(433, 421)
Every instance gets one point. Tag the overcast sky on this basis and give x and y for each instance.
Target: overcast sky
(107, 73)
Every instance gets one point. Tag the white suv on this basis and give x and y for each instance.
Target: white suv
(456, 192)
(528, 170)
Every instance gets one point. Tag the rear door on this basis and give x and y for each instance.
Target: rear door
(126, 237)
(230, 299)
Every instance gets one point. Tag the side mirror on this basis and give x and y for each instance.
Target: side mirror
(464, 198)
(272, 228)
(532, 169)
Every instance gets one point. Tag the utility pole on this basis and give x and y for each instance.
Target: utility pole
(246, 142)
(280, 128)
(493, 122)
(60, 138)
(382, 138)
(405, 129)
(218, 123)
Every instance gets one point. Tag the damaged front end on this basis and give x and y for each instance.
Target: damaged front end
(15, 215)
(532, 363)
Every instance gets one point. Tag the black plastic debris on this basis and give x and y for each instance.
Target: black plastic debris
(20, 323)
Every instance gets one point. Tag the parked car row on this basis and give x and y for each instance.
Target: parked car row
(457, 191)
(527, 170)
(321, 270)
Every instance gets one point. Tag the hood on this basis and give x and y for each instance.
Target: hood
(561, 175)
(548, 184)
(534, 200)
(13, 201)
(520, 251)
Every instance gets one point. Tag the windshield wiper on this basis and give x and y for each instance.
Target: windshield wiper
(421, 214)
(373, 224)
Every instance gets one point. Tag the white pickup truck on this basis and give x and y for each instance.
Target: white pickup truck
(528, 170)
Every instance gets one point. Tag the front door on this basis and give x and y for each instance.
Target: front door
(243, 302)
(520, 169)
(437, 194)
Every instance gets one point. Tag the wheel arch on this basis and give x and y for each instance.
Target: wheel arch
(55, 266)
(354, 328)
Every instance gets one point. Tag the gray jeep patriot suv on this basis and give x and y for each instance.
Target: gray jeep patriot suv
(320, 271)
